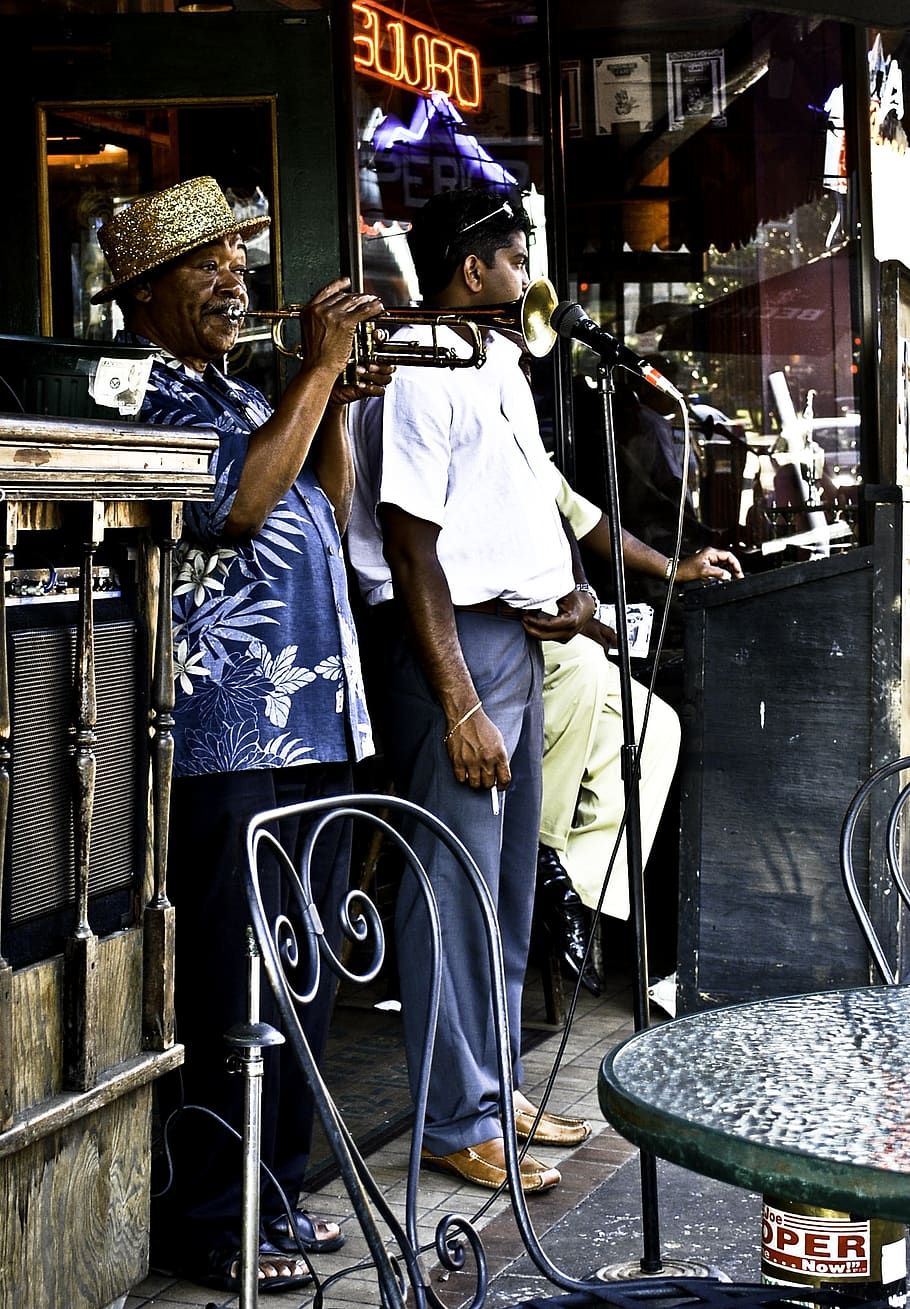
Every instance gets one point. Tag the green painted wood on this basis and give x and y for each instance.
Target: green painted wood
(180, 58)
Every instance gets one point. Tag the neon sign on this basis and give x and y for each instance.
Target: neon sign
(408, 54)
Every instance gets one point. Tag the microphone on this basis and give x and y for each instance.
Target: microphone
(570, 320)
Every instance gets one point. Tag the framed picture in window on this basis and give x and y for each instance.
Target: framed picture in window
(622, 93)
(696, 88)
(570, 70)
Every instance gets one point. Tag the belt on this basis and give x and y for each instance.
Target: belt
(499, 609)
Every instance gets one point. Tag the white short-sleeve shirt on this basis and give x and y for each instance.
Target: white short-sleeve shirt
(461, 448)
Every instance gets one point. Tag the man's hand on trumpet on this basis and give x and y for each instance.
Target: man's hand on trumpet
(372, 379)
(328, 323)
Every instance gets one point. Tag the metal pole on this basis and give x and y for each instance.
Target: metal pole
(252, 1134)
(651, 1263)
(651, 1260)
(247, 1041)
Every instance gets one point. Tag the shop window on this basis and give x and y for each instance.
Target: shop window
(710, 229)
(436, 109)
(412, 143)
(411, 146)
(99, 157)
(710, 223)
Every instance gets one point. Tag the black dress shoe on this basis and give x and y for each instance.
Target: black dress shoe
(562, 915)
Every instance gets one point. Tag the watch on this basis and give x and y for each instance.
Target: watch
(589, 590)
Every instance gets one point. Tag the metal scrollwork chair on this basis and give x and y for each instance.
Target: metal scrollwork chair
(883, 796)
(293, 950)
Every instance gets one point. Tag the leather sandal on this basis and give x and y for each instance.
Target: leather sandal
(221, 1270)
(315, 1235)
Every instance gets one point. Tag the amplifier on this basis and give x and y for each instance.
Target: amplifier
(39, 886)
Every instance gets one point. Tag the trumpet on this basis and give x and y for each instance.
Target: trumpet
(528, 317)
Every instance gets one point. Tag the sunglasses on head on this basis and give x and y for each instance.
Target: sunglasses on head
(506, 208)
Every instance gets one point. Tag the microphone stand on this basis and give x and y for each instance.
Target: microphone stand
(651, 1259)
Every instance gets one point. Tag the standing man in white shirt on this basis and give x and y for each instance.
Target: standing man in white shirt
(461, 552)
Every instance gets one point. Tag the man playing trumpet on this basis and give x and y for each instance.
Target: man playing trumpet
(269, 695)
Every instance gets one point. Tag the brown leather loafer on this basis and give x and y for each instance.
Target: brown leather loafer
(552, 1128)
(484, 1165)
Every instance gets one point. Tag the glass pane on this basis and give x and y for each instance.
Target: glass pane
(485, 129)
(101, 157)
(709, 230)
(477, 123)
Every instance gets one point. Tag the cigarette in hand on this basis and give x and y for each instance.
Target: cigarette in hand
(494, 799)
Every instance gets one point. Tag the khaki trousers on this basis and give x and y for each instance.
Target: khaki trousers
(583, 792)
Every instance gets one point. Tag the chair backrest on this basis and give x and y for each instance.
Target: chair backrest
(883, 796)
(293, 950)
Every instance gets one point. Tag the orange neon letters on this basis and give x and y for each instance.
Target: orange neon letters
(408, 54)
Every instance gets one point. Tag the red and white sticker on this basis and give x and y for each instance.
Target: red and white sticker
(816, 1246)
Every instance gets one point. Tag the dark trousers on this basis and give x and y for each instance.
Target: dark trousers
(201, 1209)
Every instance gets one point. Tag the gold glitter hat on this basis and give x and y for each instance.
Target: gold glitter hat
(164, 225)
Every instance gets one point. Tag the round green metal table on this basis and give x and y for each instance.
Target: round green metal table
(804, 1096)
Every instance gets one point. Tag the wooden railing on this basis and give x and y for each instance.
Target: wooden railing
(83, 1034)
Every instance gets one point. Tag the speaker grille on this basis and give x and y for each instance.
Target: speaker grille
(41, 848)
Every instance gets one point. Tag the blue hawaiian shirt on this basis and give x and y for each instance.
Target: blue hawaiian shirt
(266, 663)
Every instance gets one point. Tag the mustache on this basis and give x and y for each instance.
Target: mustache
(232, 309)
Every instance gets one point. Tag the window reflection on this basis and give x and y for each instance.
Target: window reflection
(720, 244)
(99, 158)
(708, 225)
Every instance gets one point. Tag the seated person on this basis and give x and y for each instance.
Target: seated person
(583, 792)
(649, 459)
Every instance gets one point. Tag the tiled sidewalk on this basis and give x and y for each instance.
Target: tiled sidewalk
(599, 1024)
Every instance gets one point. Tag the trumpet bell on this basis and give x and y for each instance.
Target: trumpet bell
(528, 317)
(537, 305)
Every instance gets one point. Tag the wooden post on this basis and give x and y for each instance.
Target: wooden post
(158, 920)
(80, 956)
(7, 534)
